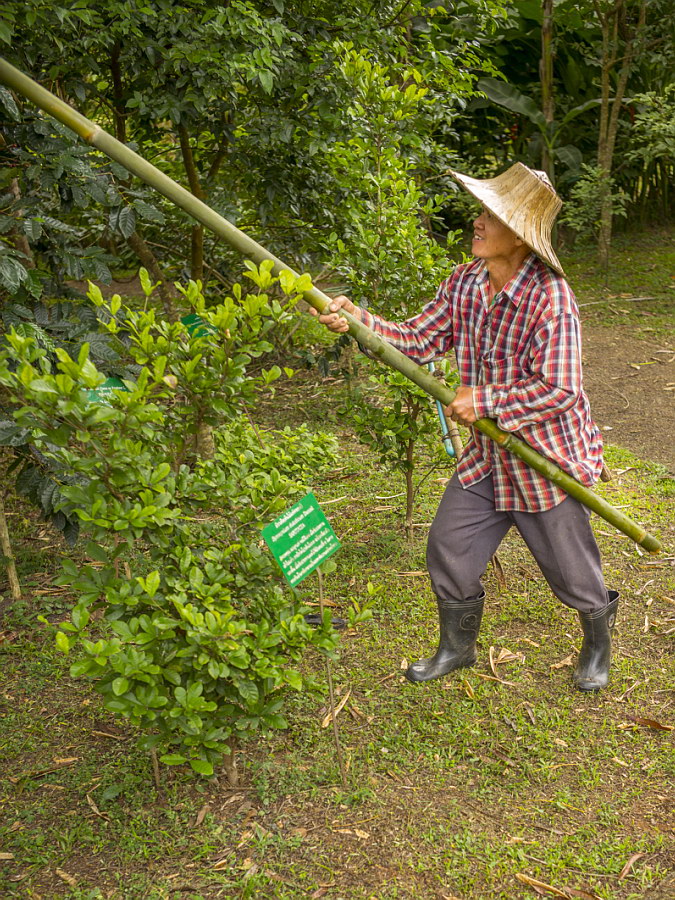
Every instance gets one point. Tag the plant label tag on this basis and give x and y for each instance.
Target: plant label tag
(301, 539)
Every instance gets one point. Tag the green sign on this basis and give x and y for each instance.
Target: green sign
(301, 539)
(196, 326)
(104, 391)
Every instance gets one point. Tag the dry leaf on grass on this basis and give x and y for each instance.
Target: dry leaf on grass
(541, 887)
(583, 895)
(568, 661)
(328, 718)
(201, 814)
(64, 876)
(6, 856)
(650, 723)
(629, 865)
(94, 808)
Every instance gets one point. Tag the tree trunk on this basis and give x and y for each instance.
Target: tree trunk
(19, 238)
(612, 24)
(204, 443)
(119, 114)
(166, 290)
(546, 78)
(6, 547)
(197, 231)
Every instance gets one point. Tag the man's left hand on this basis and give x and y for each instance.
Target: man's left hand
(461, 409)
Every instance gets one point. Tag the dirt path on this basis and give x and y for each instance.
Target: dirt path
(630, 382)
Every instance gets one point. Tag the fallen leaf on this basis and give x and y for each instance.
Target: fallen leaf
(64, 876)
(299, 832)
(67, 761)
(404, 664)
(201, 814)
(468, 689)
(583, 895)
(541, 887)
(96, 810)
(629, 864)
(319, 892)
(568, 661)
(6, 856)
(620, 762)
(362, 834)
(328, 718)
(651, 723)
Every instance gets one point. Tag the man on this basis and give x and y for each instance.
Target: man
(513, 323)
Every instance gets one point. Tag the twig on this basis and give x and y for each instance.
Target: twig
(155, 769)
(331, 695)
(6, 548)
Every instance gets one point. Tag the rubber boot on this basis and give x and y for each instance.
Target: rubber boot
(592, 671)
(459, 626)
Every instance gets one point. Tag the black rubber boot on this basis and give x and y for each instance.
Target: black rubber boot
(459, 626)
(592, 671)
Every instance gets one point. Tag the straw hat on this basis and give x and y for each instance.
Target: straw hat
(525, 201)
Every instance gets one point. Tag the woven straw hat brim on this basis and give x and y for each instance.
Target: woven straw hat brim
(522, 202)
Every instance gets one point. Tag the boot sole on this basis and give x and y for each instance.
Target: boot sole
(413, 679)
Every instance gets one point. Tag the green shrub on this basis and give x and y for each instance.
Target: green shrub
(181, 617)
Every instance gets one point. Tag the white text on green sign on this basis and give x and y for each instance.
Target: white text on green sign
(301, 539)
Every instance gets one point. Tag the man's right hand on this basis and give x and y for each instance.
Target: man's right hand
(331, 319)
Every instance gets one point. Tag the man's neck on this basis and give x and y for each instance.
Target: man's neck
(502, 270)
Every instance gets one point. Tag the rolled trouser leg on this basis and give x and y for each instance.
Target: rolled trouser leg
(592, 671)
(459, 627)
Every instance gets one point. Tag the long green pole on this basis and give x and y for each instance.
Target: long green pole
(377, 347)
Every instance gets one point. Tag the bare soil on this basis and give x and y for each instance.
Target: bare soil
(631, 385)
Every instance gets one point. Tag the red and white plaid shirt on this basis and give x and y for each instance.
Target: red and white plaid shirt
(522, 354)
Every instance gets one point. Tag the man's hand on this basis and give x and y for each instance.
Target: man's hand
(332, 320)
(461, 409)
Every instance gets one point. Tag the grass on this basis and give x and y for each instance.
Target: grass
(459, 788)
(642, 265)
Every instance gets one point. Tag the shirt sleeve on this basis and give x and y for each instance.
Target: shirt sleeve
(424, 337)
(551, 389)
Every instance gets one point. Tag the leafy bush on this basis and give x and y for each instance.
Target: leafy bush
(399, 427)
(582, 211)
(181, 618)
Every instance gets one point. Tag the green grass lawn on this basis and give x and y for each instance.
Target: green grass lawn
(477, 786)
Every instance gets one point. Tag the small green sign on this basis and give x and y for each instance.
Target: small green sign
(301, 539)
(197, 326)
(104, 391)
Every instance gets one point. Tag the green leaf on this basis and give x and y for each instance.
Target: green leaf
(152, 583)
(294, 679)
(201, 766)
(173, 759)
(266, 80)
(62, 642)
(120, 686)
(507, 95)
(96, 552)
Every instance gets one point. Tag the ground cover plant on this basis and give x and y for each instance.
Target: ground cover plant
(496, 782)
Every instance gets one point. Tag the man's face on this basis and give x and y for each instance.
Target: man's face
(492, 240)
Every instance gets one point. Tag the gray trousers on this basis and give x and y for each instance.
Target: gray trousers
(468, 529)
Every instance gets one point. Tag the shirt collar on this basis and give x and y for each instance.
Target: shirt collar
(515, 288)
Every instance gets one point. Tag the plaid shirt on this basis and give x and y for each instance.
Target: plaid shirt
(521, 352)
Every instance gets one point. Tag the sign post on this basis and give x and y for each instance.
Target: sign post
(300, 540)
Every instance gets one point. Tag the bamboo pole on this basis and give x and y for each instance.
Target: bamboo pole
(378, 348)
